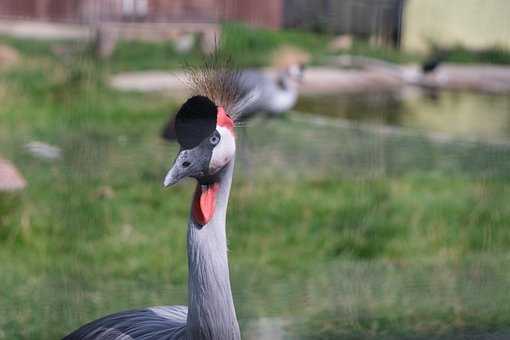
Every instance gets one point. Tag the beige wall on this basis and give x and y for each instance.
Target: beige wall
(472, 23)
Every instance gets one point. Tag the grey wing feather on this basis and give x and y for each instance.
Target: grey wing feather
(161, 323)
(256, 85)
(250, 79)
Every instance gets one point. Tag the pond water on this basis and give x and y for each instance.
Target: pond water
(458, 114)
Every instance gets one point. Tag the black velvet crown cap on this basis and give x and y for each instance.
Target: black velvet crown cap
(195, 121)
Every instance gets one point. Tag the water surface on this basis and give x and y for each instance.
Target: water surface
(458, 114)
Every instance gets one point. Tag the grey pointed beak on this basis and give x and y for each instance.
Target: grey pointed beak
(171, 177)
(176, 172)
(188, 163)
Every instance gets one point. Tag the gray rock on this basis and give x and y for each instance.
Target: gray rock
(266, 328)
(43, 151)
(8, 56)
(184, 43)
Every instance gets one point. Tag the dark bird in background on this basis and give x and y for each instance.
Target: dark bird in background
(432, 63)
(260, 93)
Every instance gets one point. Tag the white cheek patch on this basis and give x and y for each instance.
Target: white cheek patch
(294, 71)
(224, 151)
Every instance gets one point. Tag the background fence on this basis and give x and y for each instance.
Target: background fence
(376, 19)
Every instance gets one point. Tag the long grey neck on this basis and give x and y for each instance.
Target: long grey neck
(211, 312)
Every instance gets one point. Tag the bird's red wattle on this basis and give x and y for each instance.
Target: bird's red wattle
(204, 202)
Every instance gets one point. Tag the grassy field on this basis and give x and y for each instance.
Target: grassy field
(320, 245)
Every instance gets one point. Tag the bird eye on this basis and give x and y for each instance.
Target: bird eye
(214, 139)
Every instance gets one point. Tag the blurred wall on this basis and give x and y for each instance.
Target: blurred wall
(378, 20)
(265, 13)
(125, 10)
(184, 9)
(475, 24)
(39, 9)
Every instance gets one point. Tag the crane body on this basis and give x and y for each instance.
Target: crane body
(205, 133)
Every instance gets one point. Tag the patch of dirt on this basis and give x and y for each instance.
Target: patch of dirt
(10, 178)
(9, 56)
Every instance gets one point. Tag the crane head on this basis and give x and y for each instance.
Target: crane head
(296, 72)
(291, 77)
(206, 136)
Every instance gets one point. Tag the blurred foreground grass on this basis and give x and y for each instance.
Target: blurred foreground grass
(314, 245)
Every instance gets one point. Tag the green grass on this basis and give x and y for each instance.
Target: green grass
(247, 47)
(461, 55)
(364, 49)
(334, 252)
(255, 47)
(146, 56)
(33, 48)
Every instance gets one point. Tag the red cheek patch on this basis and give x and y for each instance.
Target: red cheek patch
(204, 202)
(224, 120)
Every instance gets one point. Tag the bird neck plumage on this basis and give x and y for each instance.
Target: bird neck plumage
(286, 82)
(211, 312)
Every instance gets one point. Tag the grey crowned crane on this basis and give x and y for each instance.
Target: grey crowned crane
(267, 95)
(261, 94)
(205, 132)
